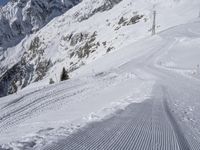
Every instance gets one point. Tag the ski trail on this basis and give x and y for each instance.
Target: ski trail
(182, 141)
(22, 108)
(149, 125)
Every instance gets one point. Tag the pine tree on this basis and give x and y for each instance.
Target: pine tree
(64, 75)
(51, 81)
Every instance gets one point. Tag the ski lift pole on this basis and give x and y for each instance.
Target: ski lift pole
(154, 23)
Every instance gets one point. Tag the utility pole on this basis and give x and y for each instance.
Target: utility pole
(154, 23)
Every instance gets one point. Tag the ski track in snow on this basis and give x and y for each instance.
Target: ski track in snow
(18, 113)
(146, 126)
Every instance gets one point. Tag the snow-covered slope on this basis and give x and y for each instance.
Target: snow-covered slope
(20, 18)
(113, 61)
(38, 116)
(84, 33)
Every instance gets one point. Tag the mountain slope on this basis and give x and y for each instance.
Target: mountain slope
(167, 97)
(84, 33)
(22, 17)
(30, 64)
(113, 62)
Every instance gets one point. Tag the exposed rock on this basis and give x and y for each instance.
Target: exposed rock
(41, 69)
(135, 19)
(122, 20)
(78, 37)
(18, 74)
(109, 4)
(126, 22)
(22, 17)
(26, 71)
(34, 62)
(109, 49)
(89, 46)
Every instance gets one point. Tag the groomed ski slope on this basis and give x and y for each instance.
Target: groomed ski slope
(169, 119)
(133, 128)
(150, 77)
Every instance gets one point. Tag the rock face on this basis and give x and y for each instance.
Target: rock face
(107, 5)
(25, 17)
(21, 75)
(32, 67)
(21, 17)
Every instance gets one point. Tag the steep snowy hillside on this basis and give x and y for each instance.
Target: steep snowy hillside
(23, 17)
(86, 32)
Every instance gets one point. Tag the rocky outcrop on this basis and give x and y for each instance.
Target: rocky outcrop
(135, 19)
(126, 22)
(21, 75)
(21, 17)
(108, 4)
(31, 68)
(83, 44)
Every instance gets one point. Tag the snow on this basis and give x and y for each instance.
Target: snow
(183, 55)
(105, 27)
(69, 105)
(105, 24)
(110, 81)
